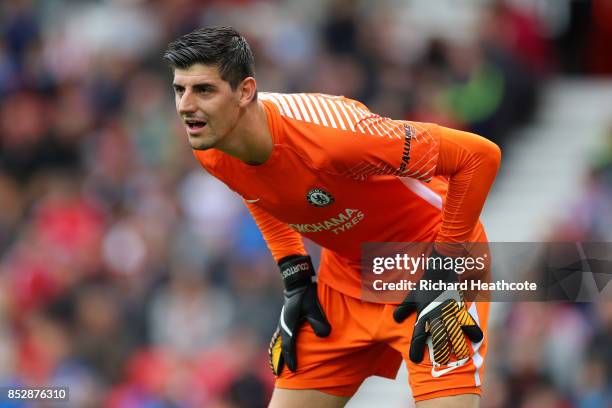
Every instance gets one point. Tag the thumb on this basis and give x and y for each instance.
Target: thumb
(315, 315)
(403, 310)
(319, 323)
(474, 333)
(469, 326)
(417, 344)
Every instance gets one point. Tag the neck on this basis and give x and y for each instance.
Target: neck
(250, 140)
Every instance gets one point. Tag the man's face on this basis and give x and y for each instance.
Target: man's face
(206, 103)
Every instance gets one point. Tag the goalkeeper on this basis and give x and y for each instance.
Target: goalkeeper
(327, 168)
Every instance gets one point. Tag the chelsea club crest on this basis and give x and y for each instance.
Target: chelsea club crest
(319, 197)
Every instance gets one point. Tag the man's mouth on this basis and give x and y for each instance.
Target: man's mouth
(195, 125)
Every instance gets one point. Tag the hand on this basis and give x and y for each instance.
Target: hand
(301, 304)
(440, 314)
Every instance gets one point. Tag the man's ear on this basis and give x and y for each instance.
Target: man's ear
(248, 90)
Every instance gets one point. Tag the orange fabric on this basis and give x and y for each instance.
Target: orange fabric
(348, 355)
(385, 181)
(282, 240)
(471, 163)
(374, 344)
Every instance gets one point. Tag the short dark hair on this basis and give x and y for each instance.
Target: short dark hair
(222, 47)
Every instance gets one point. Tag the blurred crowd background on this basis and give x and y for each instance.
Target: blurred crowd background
(133, 277)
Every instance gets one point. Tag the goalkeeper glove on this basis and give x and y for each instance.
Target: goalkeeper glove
(441, 319)
(301, 304)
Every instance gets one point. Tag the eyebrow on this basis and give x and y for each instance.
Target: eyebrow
(204, 86)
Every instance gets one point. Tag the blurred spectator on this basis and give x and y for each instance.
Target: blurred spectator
(189, 315)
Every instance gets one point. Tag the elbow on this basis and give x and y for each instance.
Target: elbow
(467, 152)
(490, 155)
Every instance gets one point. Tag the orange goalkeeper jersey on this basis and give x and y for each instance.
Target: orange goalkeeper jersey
(342, 175)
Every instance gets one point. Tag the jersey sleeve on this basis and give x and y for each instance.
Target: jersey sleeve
(471, 163)
(281, 240)
(421, 151)
(390, 147)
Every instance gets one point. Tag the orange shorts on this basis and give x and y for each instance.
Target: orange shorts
(365, 341)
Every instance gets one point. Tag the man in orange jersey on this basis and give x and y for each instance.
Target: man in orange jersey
(327, 168)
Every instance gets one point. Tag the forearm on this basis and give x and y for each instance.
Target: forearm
(471, 163)
(281, 240)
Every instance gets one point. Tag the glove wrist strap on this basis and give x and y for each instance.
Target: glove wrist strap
(297, 271)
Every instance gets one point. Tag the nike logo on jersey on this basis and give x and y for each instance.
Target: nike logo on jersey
(252, 201)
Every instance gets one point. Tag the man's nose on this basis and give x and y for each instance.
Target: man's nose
(186, 103)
